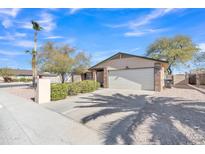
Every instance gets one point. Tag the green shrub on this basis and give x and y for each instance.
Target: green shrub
(82, 87)
(22, 80)
(59, 91)
(88, 86)
(73, 89)
(28, 80)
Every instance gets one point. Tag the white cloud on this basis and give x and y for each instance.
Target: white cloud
(24, 43)
(54, 37)
(6, 38)
(17, 34)
(11, 53)
(133, 50)
(10, 12)
(74, 10)
(7, 16)
(139, 26)
(26, 25)
(47, 21)
(202, 47)
(7, 23)
(134, 33)
(10, 36)
(144, 20)
(116, 25)
(137, 33)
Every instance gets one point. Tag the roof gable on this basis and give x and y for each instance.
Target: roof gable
(120, 55)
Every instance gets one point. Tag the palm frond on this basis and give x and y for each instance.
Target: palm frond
(27, 51)
(36, 26)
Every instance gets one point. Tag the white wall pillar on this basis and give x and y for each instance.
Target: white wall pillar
(43, 91)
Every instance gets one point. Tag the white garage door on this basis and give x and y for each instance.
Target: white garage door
(132, 79)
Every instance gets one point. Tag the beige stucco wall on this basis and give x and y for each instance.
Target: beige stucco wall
(43, 91)
(57, 79)
(77, 78)
(18, 77)
(1, 79)
(133, 62)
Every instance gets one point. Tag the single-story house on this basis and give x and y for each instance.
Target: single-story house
(127, 71)
(19, 73)
(23, 73)
(54, 78)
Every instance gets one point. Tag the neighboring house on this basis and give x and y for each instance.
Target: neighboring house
(126, 71)
(69, 77)
(21, 73)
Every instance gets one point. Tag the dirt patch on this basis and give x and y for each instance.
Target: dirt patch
(183, 91)
(25, 92)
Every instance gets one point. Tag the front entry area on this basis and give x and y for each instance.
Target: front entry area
(136, 79)
(99, 74)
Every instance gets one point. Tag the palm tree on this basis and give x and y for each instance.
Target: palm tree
(36, 28)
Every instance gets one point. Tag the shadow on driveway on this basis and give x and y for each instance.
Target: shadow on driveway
(168, 120)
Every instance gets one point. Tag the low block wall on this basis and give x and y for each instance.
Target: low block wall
(202, 79)
(179, 79)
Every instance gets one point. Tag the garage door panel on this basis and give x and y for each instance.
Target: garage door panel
(132, 79)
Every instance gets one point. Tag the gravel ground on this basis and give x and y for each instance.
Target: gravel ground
(178, 115)
(187, 92)
(25, 92)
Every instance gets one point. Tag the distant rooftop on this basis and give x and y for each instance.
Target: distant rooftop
(24, 72)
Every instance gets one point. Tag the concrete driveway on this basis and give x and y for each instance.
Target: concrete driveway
(138, 117)
(25, 122)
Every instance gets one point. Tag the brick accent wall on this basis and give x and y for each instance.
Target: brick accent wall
(158, 77)
(94, 74)
(105, 78)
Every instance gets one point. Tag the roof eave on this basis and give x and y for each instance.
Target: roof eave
(148, 58)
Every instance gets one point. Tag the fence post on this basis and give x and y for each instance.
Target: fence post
(197, 79)
(186, 78)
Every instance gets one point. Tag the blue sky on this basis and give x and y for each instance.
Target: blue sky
(99, 32)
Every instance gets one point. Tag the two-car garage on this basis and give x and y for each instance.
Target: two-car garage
(126, 71)
(137, 79)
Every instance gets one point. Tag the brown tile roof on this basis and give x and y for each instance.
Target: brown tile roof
(21, 72)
